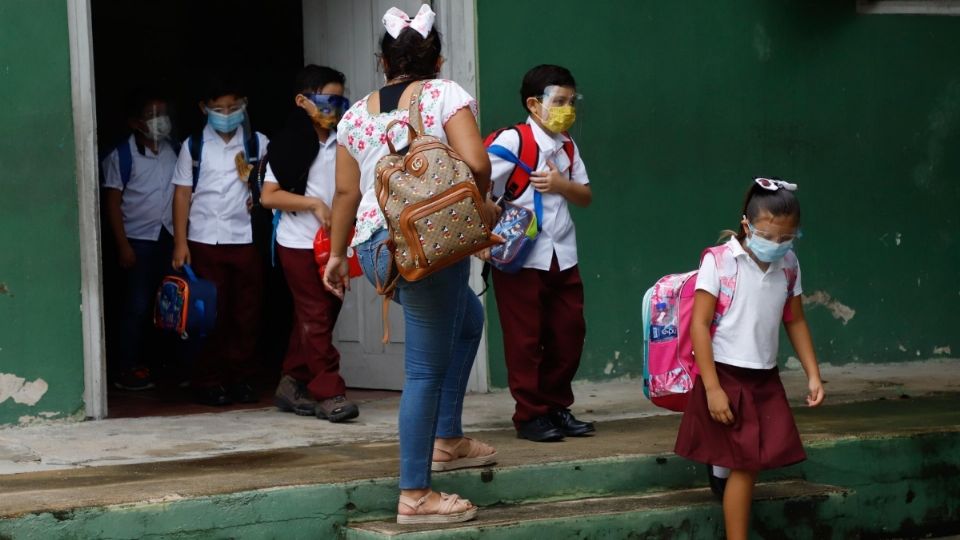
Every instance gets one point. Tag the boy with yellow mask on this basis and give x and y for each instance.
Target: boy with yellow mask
(541, 304)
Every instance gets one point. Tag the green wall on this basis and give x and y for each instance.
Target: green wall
(40, 330)
(684, 102)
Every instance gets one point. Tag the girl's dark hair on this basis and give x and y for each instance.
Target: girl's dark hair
(759, 199)
(411, 54)
(539, 78)
(312, 78)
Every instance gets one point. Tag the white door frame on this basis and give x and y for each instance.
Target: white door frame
(85, 147)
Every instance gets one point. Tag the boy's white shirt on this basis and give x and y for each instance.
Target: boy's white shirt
(148, 196)
(748, 335)
(558, 235)
(218, 209)
(297, 230)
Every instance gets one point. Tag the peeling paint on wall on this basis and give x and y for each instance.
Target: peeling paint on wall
(838, 310)
(21, 391)
(942, 350)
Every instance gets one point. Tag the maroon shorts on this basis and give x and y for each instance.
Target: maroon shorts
(763, 435)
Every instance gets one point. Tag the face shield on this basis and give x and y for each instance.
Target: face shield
(327, 109)
(155, 122)
(225, 115)
(559, 109)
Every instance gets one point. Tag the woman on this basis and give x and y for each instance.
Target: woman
(443, 318)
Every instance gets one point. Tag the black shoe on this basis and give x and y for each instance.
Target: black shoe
(293, 396)
(570, 426)
(717, 484)
(242, 393)
(134, 379)
(540, 429)
(215, 396)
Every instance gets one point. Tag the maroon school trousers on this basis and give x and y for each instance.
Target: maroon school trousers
(541, 313)
(229, 355)
(311, 357)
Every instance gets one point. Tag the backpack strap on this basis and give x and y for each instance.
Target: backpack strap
(251, 148)
(528, 153)
(568, 149)
(502, 153)
(195, 145)
(727, 269)
(125, 161)
(791, 267)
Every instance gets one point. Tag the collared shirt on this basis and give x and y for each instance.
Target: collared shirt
(558, 234)
(298, 229)
(148, 196)
(218, 208)
(748, 334)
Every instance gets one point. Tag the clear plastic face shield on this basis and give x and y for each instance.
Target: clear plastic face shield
(154, 122)
(559, 109)
(227, 113)
(326, 110)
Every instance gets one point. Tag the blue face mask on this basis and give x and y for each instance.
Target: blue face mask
(765, 250)
(225, 123)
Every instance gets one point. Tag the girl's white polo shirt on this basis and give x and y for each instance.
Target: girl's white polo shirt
(749, 332)
(218, 209)
(298, 229)
(148, 196)
(558, 234)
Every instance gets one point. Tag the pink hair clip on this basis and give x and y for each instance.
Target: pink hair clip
(773, 185)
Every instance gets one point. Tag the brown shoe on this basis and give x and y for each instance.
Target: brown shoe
(292, 396)
(337, 409)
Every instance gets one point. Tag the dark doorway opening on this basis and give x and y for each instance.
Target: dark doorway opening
(171, 45)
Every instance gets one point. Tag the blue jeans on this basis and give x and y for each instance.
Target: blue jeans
(139, 291)
(443, 323)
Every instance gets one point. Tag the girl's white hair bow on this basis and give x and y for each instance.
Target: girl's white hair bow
(395, 20)
(773, 185)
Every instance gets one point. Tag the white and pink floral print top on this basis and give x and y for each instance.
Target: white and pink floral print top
(364, 135)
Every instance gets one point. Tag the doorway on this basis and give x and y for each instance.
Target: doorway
(172, 44)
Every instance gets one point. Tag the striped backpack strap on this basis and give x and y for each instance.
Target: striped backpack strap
(727, 269)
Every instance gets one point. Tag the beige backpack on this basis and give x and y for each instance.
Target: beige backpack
(431, 204)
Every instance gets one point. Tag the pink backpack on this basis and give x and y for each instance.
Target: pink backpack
(669, 369)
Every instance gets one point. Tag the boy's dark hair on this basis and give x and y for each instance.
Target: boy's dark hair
(758, 199)
(312, 78)
(138, 99)
(221, 84)
(411, 54)
(539, 78)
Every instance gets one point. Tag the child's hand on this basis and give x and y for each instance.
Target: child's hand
(336, 277)
(719, 405)
(550, 181)
(181, 256)
(322, 212)
(815, 397)
(126, 257)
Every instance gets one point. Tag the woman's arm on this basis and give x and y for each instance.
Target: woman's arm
(346, 200)
(799, 333)
(464, 136)
(704, 306)
(274, 198)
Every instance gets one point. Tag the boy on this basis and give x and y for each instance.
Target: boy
(215, 200)
(541, 305)
(299, 182)
(137, 202)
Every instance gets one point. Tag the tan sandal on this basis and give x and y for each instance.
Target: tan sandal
(452, 509)
(478, 454)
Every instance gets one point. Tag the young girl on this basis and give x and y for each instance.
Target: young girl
(738, 417)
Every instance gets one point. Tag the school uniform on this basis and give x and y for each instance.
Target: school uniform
(311, 355)
(745, 344)
(146, 209)
(220, 238)
(541, 306)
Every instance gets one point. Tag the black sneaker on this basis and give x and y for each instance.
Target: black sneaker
(292, 396)
(540, 429)
(215, 396)
(717, 484)
(337, 409)
(134, 379)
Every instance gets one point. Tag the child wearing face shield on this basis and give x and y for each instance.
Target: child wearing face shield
(299, 183)
(137, 202)
(213, 233)
(541, 305)
(737, 419)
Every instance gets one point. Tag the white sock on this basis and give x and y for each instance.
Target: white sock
(721, 472)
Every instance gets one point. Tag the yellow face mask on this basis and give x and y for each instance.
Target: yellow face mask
(559, 118)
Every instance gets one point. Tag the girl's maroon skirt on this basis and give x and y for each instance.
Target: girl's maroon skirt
(763, 435)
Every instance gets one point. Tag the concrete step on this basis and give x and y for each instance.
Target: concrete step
(691, 513)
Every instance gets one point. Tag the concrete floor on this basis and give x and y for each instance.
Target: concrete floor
(60, 445)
